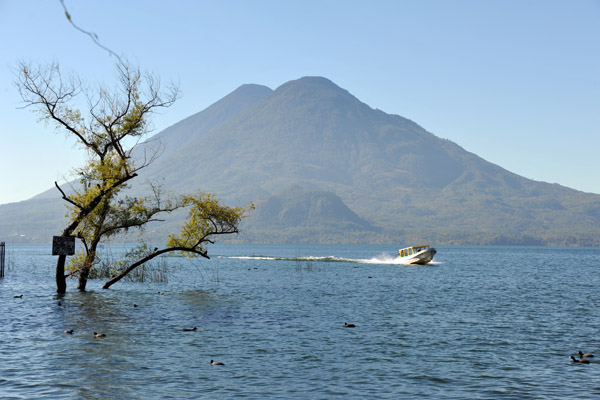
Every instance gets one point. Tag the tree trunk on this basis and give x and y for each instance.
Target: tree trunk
(61, 280)
(83, 277)
(88, 263)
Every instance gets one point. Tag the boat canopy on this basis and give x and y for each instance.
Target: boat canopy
(412, 250)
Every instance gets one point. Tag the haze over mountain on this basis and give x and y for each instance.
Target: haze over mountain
(384, 178)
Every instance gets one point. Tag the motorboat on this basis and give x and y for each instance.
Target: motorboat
(416, 254)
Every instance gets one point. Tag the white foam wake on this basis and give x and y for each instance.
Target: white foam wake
(381, 259)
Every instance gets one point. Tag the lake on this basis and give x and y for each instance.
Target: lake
(478, 323)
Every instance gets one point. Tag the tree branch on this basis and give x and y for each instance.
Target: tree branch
(149, 257)
(65, 197)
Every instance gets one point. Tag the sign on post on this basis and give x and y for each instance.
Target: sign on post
(63, 246)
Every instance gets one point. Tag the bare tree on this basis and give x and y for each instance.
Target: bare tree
(114, 124)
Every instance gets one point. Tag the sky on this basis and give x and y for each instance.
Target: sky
(516, 82)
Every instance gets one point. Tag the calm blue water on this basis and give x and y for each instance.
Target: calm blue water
(481, 323)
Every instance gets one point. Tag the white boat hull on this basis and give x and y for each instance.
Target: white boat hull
(420, 258)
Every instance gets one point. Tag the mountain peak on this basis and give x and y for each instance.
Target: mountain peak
(250, 90)
(313, 96)
(313, 80)
(311, 84)
(195, 126)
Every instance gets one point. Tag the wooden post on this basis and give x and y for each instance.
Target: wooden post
(61, 280)
(62, 246)
(2, 252)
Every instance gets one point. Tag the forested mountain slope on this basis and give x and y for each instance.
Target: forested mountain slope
(404, 183)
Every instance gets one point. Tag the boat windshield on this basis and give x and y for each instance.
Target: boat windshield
(409, 251)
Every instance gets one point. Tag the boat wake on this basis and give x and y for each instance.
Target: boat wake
(382, 259)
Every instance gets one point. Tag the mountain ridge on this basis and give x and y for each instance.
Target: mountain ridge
(190, 128)
(387, 169)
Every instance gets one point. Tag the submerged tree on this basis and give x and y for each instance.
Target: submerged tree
(114, 125)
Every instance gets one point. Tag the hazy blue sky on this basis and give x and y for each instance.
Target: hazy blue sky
(516, 82)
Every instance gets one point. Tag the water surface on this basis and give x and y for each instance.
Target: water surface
(481, 322)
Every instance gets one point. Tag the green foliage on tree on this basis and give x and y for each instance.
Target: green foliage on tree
(115, 122)
(206, 218)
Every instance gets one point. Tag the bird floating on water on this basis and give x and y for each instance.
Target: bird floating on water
(347, 325)
(69, 331)
(18, 297)
(190, 329)
(580, 361)
(581, 355)
(212, 362)
(99, 334)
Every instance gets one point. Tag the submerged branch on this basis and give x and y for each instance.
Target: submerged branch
(149, 257)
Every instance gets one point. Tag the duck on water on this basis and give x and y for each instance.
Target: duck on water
(580, 361)
(582, 355)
